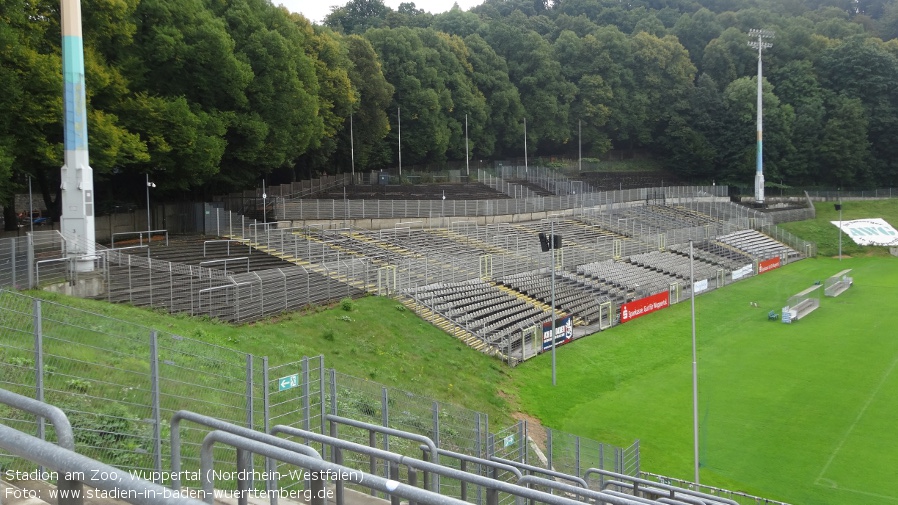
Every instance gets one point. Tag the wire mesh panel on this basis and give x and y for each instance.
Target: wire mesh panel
(203, 378)
(17, 364)
(14, 270)
(95, 370)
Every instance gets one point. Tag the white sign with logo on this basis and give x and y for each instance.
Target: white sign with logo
(701, 286)
(742, 272)
(869, 231)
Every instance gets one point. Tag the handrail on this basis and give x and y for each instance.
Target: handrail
(386, 431)
(544, 471)
(661, 493)
(319, 469)
(244, 445)
(218, 424)
(227, 242)
(129, 488)
(493, 486)
(225, 261)
(140, 235)
(64, 436)
(645, 482)
(600, 496)
(464, 458)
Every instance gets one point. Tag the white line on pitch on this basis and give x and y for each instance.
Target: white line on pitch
(859, 416)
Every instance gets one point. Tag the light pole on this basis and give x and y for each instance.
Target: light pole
(839, 208)
(694, 367)
(550, 244)
(265, 204)
(552, 250)
(149, 226)
(352, 147)
(760, 45)
(526, 170)
(467, 156)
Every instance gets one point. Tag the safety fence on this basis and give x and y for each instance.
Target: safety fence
(299, 209)
(120, 383)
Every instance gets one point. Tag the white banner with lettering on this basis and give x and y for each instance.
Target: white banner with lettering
(870, 231)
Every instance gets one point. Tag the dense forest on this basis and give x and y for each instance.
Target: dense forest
(209, 96)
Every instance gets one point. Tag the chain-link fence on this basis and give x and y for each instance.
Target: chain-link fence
(121, 383)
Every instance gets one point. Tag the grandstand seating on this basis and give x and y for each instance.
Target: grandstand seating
(758, 245)
(610, 255)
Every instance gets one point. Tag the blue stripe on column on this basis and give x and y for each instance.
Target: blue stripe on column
(74, 101)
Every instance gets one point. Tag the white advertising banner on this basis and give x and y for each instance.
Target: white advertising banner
(700, 286)
(743, 272)
(874, 231)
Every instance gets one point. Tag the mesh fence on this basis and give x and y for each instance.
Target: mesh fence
(120, 384)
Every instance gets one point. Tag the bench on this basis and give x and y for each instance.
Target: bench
(837, 284)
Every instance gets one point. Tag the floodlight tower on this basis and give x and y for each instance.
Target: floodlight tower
(77, 220)
(760, 44)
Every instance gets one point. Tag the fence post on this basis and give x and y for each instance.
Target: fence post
(38, 366)
(436, 440)
(306, 409)
(549, 447)
(479, 452)
(249, 412)
(266, 424)
(321, 393)
(157, 415)
(385, 415)
(577, 456)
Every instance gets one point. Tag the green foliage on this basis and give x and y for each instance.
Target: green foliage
(346, 304)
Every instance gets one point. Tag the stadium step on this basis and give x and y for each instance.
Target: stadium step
(448, 326)
(532, 301)
(464, 239)
(315, 267)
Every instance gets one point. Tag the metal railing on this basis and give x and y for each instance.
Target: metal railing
(73, 469)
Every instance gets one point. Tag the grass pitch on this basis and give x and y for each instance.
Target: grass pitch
(803, 413)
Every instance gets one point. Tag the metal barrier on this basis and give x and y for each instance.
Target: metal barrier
(637, 485)
(493, 486)
(140, 235)
(126, 486)
(219, 425)
(64, 436)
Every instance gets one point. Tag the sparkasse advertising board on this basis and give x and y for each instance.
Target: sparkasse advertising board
(768, 265)
(643, 306)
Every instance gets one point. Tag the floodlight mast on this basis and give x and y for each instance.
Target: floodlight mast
(760, 44)
(77, 188)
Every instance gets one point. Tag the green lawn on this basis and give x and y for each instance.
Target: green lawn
(802, 413)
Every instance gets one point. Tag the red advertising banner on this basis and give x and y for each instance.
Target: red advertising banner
(643, 306)
(767, 265)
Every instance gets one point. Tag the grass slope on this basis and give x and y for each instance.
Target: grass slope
(795, 412)
(377, 339)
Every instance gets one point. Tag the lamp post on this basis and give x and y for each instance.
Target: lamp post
(552, 250)
(467, 155)
(149, 226)
(839, 208)
(550, 244)
(694, 367)
(760, 45)
(265, 204)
